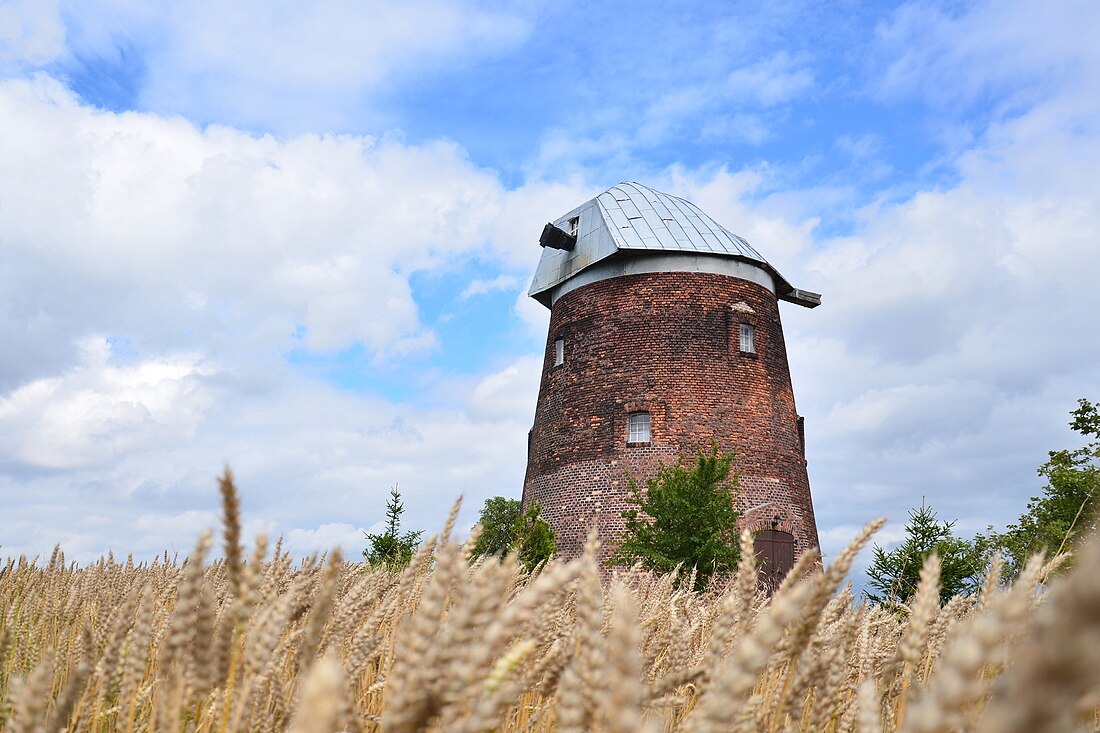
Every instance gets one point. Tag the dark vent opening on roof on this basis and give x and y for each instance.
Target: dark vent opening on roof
(557, 238)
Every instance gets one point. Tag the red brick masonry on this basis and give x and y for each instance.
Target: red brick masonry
(669, 344)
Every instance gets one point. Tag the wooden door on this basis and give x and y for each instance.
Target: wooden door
(774, 556)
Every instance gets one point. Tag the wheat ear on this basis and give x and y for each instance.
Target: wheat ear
(322, 703)
(732, 685)
(957, 684)
(576, 702)
(29, 698)
(1053, 683)
(623, 690)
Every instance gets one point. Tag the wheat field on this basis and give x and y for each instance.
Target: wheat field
(265, 643)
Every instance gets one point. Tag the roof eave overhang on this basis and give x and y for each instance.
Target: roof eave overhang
(804, 298)
(783, 289)
(544, 297)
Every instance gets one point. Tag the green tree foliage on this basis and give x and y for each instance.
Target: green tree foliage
(506, 527)
(892, 577)
(534, 538)
(1069, 505)
(498, 526)
(392, 547)
(685, 518)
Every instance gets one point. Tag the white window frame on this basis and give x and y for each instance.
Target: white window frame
(575, 226)
(748, 338)
(639, 427)
(559, 352)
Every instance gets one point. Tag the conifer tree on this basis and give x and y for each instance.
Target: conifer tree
(392, 547)
(893, 575)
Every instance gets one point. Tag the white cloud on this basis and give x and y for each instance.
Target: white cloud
(509, 393)
(482, 287)
(155, 276)
(30, 32)
(326, 538)
(741, 108)
(200, 232)
(95, 412)
(240, 62)
(769, 82)
(312, 463)
(189, 523)
(535, 316)
(1027, 50)
(335, 43)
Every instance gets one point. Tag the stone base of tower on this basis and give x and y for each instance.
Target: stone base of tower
(595, 493)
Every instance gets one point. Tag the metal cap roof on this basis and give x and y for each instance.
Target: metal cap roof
(635, 218)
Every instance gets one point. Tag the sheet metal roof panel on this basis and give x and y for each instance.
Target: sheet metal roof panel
(662, 210)
(678, 233)
(627, 237)
(616, 218)
(628, 207)
(591, 220)
(645, 231)
(696, 239)
(712, 242)
(658, 226)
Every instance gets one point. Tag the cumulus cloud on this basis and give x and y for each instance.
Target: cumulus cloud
(156, 276)
(311, 462)
(253, 239)
(30, 32)
(509, 393)
(96, 411)
(326, 538)
(481, 287)
(327, 56)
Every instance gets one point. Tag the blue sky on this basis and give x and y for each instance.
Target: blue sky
(297, 239)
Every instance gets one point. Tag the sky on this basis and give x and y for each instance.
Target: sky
(296, 239)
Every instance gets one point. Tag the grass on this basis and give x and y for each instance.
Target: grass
(265, 643)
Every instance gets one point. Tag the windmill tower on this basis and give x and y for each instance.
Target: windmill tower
(664, 335)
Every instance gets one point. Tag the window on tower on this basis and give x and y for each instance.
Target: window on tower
(559, 352)
(575, 226)
(748, 338)
(638, 427)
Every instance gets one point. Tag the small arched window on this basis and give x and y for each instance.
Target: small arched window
(639, 426)
(748, 338)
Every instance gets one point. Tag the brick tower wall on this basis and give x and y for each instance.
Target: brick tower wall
(667, 343)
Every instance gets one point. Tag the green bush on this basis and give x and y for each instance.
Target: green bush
(506, 527)
(685, 519)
